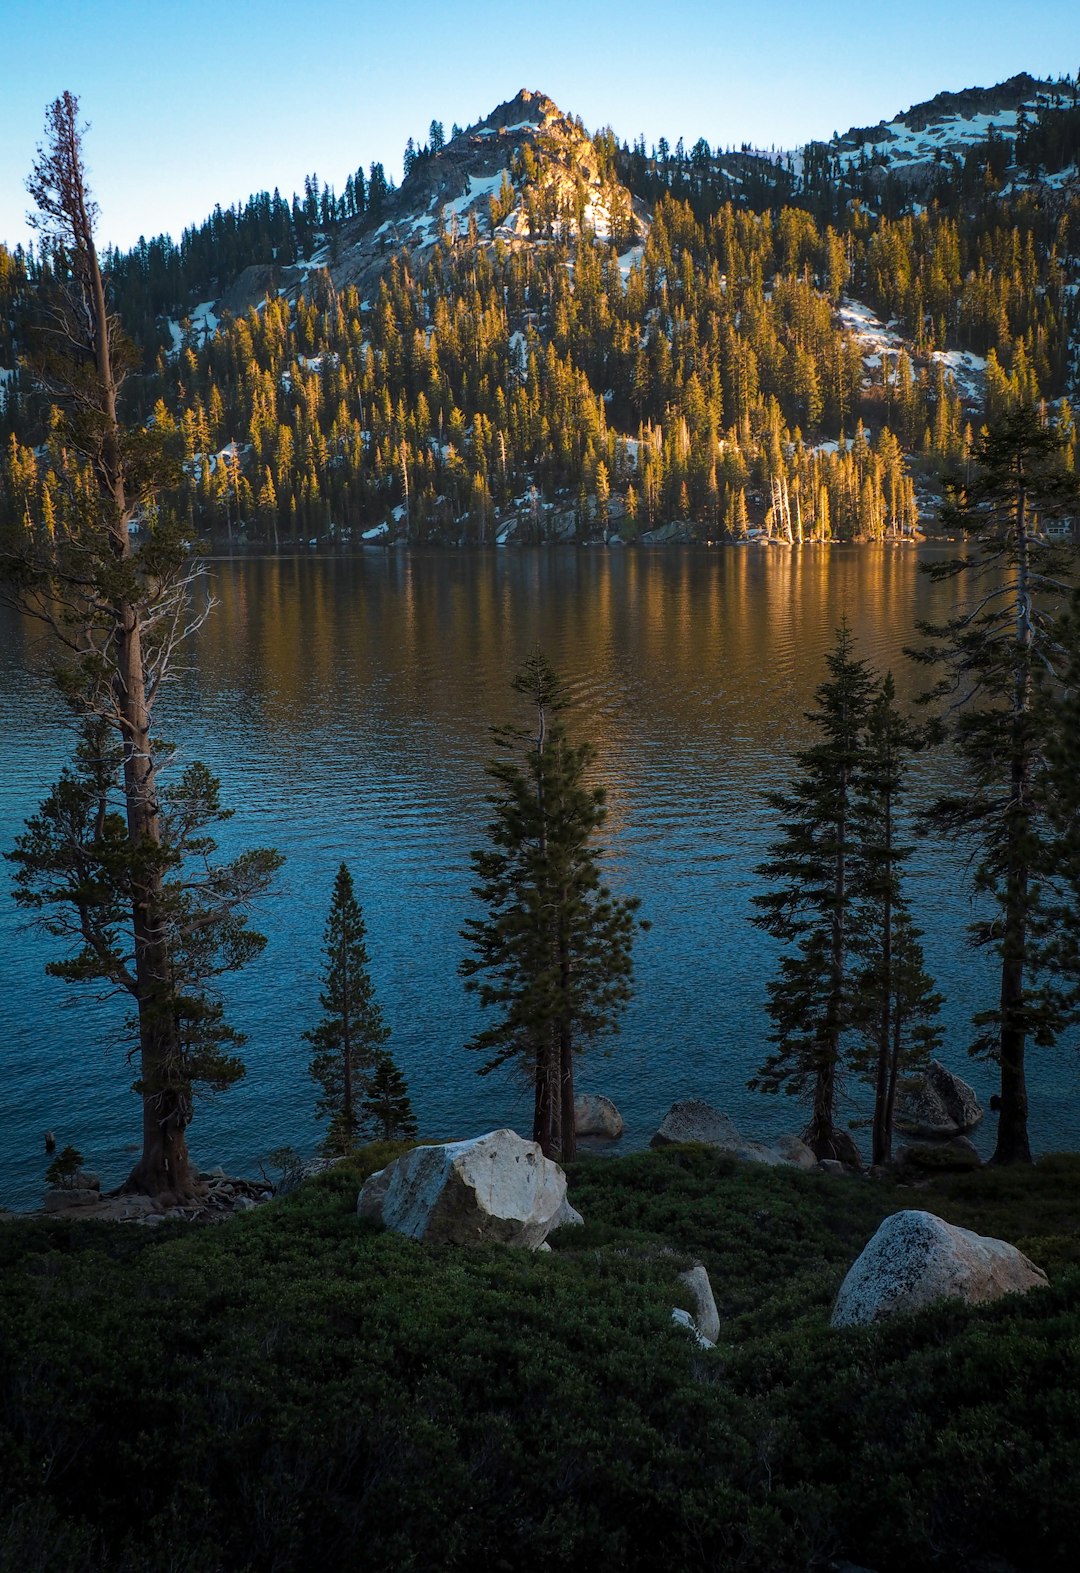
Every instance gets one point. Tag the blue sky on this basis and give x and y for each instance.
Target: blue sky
(193, 102)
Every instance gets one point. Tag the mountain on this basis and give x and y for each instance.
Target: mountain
(549, 334)
(943, 132)
(526, 173)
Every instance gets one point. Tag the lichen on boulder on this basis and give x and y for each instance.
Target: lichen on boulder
(498, 1187)
(916, 1258)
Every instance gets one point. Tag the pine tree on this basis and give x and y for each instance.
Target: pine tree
(135, 892)
(386, 1105)
(350, 1036)
(1059, 921)
(554, 953)
(812, 1002)
(895, 1000)
(1002, 662)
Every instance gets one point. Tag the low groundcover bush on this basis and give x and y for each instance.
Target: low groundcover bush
(296, 1389)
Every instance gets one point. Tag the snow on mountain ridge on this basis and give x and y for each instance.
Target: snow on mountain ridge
(949, 123)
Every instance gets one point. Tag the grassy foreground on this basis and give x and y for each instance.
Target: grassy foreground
(295, 1390)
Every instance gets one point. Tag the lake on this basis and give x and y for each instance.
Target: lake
(346, 701)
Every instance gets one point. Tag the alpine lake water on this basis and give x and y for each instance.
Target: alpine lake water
(345, 702)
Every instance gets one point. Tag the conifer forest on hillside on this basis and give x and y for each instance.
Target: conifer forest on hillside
(548, 335)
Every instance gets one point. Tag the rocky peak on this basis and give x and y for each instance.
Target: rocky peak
(526, 173)
(525, 109)
(914, 143)
(970, 101)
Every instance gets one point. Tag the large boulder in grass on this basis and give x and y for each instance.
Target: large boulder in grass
(595, 1115)
(695, 1121)
(937, 1104)
(497, 1187)
(915, 1258)
(704, 1319)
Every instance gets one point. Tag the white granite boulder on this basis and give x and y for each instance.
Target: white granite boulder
(915, 1258)
(684, 1319)
(497, 1187)
(695, 1121)
(595, 1115)
(705, 1319)
(937, 1104)
(790, 1149)
(567, 1216)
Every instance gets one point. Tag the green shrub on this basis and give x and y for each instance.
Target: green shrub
(297, 1388)
(60, 1175)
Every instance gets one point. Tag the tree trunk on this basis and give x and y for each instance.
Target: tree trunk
(164, 1169)
(894, 1077)
(821, 1133)
(568, 1143)
(882, 1138)
(544, 1131)
(568, 1134)
(1012, 1137)
(348, 1118)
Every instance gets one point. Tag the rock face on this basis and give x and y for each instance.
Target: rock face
(294, 1178)
(70, 1199)
(496, 1187)
(695, 1121)
(791, 1149)
(916, 1258)
(595, 1115)
(937, 1104)
(706, 1319)
(567, 1217)
(684, 1319)
(445, 192)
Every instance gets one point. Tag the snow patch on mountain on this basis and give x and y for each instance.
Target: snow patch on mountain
(874, 338)
(967, 370)
(202, 323)
(899, 144)
(881, 344)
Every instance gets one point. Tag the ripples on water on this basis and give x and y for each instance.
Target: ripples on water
(346, 703)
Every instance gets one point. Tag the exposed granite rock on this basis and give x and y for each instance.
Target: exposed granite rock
(496, 1187)
(696, 1121)
(937, 1104)
(595, 1115)
(706, 1318)
(567, 1216)
(916, 1258)
(684, 1319)
(69, 1201)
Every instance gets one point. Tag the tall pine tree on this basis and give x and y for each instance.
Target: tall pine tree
(554, 953)
(350, 1036)
(1002, 665)
(895, 1000)
(812, 1002)
(113, 862)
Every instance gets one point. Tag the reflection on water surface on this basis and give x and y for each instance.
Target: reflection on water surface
(346, 705)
